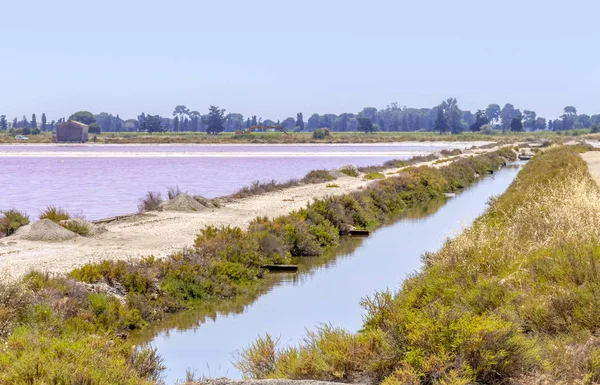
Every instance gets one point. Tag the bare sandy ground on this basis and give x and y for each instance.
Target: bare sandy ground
(161, 233)
(592, 159)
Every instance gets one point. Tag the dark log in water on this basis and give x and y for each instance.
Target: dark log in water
(359, 233)
(281, 267)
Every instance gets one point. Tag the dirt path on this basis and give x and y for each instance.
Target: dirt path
(592, 159)
(161, 233)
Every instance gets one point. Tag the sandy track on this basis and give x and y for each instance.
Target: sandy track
(592, 159)
(161, 233)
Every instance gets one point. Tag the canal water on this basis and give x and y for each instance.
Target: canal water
(326, 290)
(100, 181)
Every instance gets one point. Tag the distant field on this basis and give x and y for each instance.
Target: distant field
(303, 137)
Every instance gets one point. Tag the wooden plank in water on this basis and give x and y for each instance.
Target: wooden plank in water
(359, 233)
(281, 267)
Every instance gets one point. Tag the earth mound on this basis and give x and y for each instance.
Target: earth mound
(94, 230)
(45, 230)
(183, 203)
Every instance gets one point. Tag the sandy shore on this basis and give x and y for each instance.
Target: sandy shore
(161, 233)
(592, 159)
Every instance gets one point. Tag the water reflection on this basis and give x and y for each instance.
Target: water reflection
(325, 290)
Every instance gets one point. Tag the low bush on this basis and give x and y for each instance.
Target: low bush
(453, 152)
(55, 214)
(151, 202)
(318, 176)
(321, 133)
(172, 192)
(511, 299)
(11, 221)
(333, 185)
(257, 188)
(77, 227)
(371, 169)
(50, 326)
(374, 175)
(350, 171)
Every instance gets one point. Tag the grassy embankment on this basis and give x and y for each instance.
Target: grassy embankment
(516, 298)
(53, 328)
(306, 137)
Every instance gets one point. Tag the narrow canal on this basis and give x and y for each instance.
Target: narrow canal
(325, 290)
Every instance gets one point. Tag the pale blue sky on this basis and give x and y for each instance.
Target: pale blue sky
(274, 58)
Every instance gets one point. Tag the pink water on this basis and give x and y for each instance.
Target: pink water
(106, 186)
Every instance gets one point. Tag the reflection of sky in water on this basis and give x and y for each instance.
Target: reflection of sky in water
(329, 293)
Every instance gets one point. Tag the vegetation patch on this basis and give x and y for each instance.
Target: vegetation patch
(51, 326)
(333, 185)
(318, 176)
(374, 175)
(151, 202)
(11, 221)
(350, 171)
(321, 133)
(511, 300)
(55, 214)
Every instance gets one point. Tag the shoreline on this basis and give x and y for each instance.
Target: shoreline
(466, 143)
(142, 154)
(161, 233)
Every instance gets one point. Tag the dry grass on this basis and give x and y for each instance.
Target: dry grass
(514, 299)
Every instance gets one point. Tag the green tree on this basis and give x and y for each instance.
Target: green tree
(540, 124)
(3, 123)
(493, 113)
(118, 123)
(24, 122)
(313, 122)
(195, 120)
(452, 115)
(94, 128)
(15, 123)
(517, 124)
(570, 110)
(33, 121)
(440, 125)
(480, 120)
(182, 112)
(84, 117)
(530, 119)
(215, 120)
(44, 124)
(151, 123)
(365, 125)
(507, 114)
(300, 121)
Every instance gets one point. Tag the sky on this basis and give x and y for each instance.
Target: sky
(274, 58)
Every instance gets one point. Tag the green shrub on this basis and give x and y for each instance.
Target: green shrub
(11, 221)
(55, 214)
(318, 176)
(321, 133)
(374, 175)
(350, 171)
(151, 202)
(332, 185)
(77, 227)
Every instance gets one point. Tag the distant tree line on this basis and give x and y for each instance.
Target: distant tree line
(446, 117)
